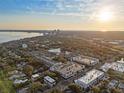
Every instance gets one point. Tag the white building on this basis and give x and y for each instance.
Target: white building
(49, 81)
(19, 81)
(90, 61)
(91, 78)
(56, 51)
(106, 67)
(67, 70)
(35, 77)
(117, 66)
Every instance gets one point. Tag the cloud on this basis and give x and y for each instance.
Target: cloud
(81, 8)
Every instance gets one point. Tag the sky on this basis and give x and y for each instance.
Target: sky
(101, 15)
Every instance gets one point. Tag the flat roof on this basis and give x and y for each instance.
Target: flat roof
(117, 66)
(106, 67)
(90, 76)
(49, 79)
(85, 59)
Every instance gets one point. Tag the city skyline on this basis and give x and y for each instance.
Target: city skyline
(105, 15)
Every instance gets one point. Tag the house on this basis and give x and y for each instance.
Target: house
(90, 61)
(16, 74)
(21, 65)
(113, 84)
(20, 81)
(67, 70)
(49, 81)
(91, 78)
(23, 90)
(121, 85)
(35, 77)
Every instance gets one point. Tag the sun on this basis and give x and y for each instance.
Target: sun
(105, 15)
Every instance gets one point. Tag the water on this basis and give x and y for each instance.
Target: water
(9, 36)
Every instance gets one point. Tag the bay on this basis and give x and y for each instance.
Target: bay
(9, 36)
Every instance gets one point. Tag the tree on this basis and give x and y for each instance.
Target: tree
(56, 91)
(104, 84)
(96, 90)
(51, 74)
(34, 86)
(115, 90)
(60, 59)
(75, 88)
(105, 91)
(28, 70)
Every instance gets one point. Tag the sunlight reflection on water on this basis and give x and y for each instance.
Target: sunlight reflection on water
(9, 36)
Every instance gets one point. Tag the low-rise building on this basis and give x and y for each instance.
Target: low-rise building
(49, 81)
(16, 74)
(91, 78)
(121, 86)
(113, 84)
(117, 66)
(105, 67)
(56, 51)
(56, 66)
(67, 70)
(20, 81)
(90, 61)
(35, 77)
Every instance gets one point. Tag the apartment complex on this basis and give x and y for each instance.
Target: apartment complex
(90, 61)
(91, 78)
(67, 70)
(117, 66)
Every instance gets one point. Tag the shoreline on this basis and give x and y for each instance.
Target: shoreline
(6, 37)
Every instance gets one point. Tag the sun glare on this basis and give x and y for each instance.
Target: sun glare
(105, 15)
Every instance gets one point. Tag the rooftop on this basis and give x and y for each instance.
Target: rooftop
(61, 66)
(106, 67)
(118, 67)
(90, 76)
(35, 75)
(57, 50)
(51, 80)
(85, 59)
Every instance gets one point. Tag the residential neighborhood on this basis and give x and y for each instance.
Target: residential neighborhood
(48, 64)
